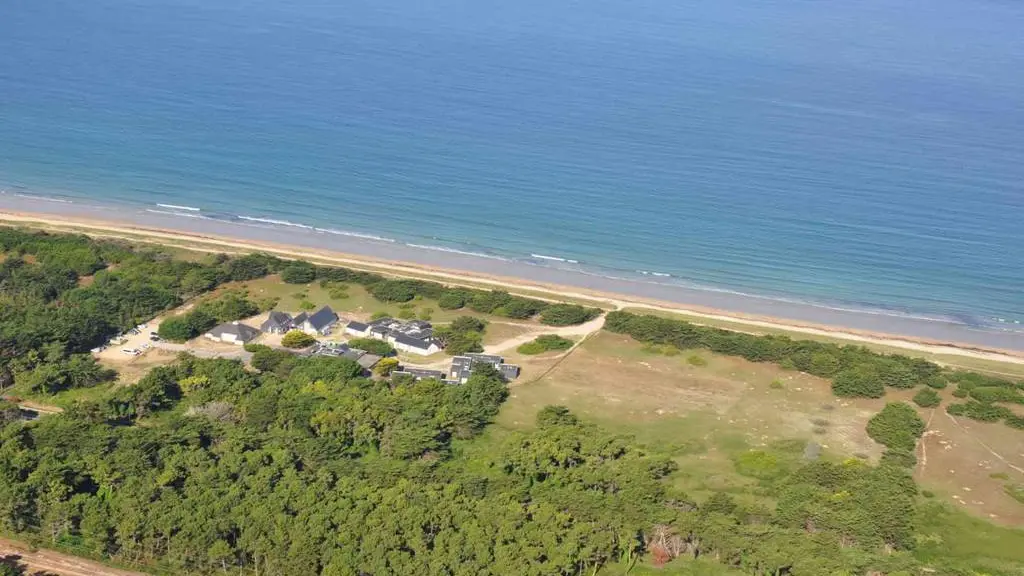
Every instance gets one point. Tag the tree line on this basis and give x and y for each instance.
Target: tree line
(63, 294)
(390, 290)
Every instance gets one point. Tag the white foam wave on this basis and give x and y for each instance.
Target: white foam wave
(177, 207)
(658, 274)
(554, 258)
(354, 234)
(43, 198)
(275, 222)
(182, 214)
(456, 251)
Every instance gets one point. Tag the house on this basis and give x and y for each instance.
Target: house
(357, 329)
(233, 333)
(412, 345)
(420, 373)
(462, 366)
(339, 350)
(277, 323)
(318, 323)
(415, 336)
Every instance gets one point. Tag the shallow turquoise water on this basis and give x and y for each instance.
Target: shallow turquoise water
(867, 156)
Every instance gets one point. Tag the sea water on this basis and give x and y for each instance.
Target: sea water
(862, 156)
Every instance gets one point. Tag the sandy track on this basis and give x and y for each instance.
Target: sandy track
(50, 562)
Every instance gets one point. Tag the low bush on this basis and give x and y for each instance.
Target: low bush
(696, 360)
(927, 398)
(979, 411)
(545, 343)
(297, 339)
(373, 346)
(298, 273)
(567, 314)
(896, 427)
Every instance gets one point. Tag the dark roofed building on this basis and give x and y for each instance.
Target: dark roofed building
(462, 366)
(421, 373)
(415, 345)
(317, 323)
(233, 333)
(277, 323)
(414, 336)
(357, 329)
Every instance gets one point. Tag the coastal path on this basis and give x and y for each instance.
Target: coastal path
(581, 332)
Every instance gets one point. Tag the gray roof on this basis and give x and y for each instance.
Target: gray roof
(323, 318)
(488, 358)
(421, 373)
(241, 331)
(410, 341)
(277, 320)
(508, 371)
(368, 360)
(358, 326)
(298, 320)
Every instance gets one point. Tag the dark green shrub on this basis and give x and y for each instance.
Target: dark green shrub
(373, 346)
(298, 273)
(862, 381)
(567, 314)
(897, 426)
(927, 398)
(297, 339)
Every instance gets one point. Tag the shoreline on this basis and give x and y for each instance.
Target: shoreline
(213, 242)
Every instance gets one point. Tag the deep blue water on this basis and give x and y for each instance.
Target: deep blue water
(867, 154)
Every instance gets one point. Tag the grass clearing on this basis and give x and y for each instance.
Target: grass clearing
(704, 416)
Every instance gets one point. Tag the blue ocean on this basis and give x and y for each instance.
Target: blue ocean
(864, 155)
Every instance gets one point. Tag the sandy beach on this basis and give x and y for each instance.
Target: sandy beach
(213, 242)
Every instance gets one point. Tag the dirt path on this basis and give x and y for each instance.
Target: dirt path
(517, 341)
(981, 443)
(582, 330)
(50, 562)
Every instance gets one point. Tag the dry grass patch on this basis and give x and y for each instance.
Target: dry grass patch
(970, 463)
(665, 399)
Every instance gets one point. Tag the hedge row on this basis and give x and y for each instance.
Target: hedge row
(497, 302)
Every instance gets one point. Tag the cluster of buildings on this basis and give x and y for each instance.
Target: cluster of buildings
(412, 336)
(342, 350)
(318, 323)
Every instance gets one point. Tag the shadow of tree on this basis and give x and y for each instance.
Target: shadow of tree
(11, 565)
